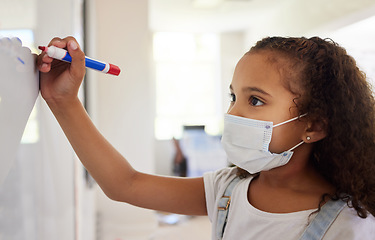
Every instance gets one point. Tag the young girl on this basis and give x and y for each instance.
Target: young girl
(300, 128)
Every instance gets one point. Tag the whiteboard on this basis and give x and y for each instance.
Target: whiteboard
(19, 88)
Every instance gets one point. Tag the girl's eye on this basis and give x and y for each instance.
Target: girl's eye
(232, 97)
(255, 101)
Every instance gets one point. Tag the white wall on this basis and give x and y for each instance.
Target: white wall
(123, 107)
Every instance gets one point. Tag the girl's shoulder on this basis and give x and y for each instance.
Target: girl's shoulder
(349, 225)
(223, 174)
(219, 180)
(215, 184)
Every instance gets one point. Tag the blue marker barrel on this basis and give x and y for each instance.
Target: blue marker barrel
(95, 64)
(67, 57)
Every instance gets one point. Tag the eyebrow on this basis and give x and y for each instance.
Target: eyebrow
(252, 89)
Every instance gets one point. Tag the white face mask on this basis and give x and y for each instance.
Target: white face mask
(246, 143)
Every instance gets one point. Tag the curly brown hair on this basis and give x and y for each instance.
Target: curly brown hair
(335, 94)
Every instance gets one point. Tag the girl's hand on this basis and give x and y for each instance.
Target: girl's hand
(60, 81)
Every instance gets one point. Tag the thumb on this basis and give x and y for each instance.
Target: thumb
(77, 68)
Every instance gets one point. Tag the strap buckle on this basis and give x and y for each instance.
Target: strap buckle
(228, 203)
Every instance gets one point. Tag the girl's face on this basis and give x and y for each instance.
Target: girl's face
(258, 92)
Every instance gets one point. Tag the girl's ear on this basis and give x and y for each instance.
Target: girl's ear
(315, 131)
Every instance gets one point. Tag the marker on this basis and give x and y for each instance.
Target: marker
(62, 54)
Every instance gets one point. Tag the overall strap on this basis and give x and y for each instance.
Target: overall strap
(223, 208)
(323, 220)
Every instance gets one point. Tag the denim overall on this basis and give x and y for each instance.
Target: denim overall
(314, 231)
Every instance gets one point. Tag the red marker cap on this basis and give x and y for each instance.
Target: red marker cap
(113, 69)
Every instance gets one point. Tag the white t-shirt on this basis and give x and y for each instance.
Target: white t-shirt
(247, 222)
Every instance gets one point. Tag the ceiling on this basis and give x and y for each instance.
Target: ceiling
(256, 15)
(278, 16)
(229, 15)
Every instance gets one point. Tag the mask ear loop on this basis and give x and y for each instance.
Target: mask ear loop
(299, 144)
(290, 120)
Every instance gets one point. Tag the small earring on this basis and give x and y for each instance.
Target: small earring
(308, 138)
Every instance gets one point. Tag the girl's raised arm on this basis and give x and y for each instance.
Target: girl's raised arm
(59, 83)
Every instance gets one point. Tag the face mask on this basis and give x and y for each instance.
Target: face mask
(246, 143)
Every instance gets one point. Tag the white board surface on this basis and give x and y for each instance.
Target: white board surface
(19, 88)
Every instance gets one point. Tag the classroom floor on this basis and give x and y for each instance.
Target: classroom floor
(119, 221)
(197, 228)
